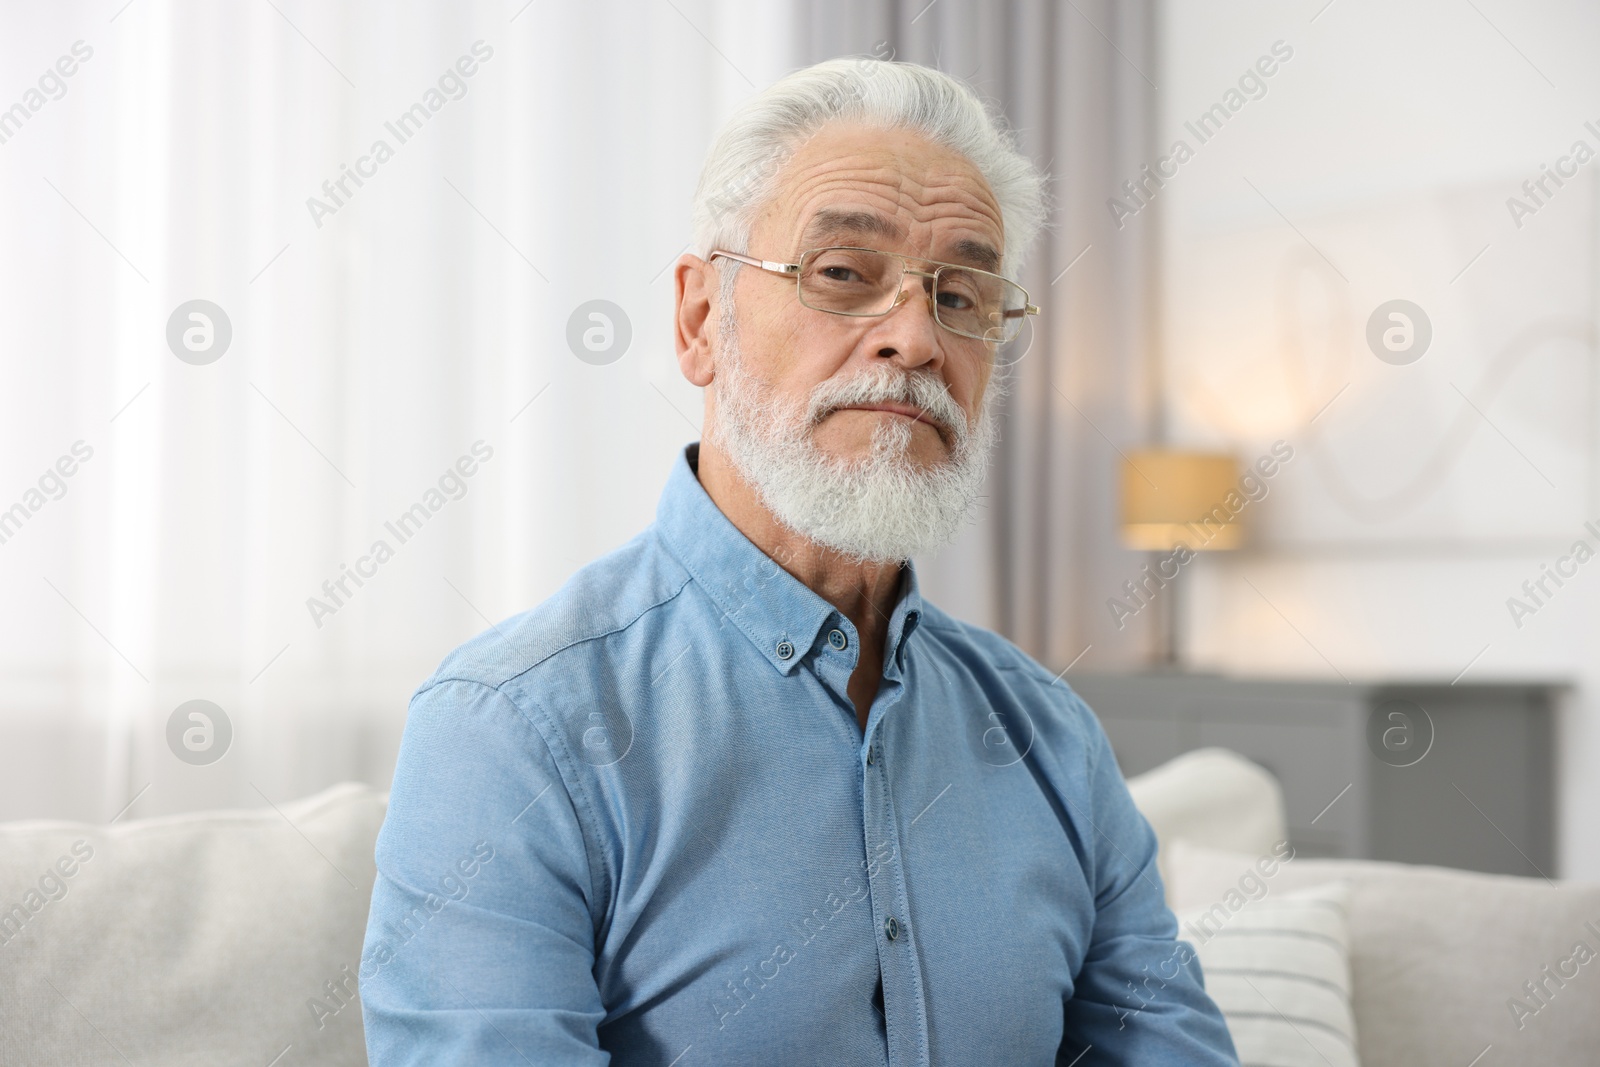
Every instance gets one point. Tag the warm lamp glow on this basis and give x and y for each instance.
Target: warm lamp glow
(1172, 497)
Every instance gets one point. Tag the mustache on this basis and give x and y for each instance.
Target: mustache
(922, 391)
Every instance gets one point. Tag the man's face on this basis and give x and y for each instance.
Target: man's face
(867, 434)
(929, 202)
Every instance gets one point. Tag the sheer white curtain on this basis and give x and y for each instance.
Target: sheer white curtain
(388, 335)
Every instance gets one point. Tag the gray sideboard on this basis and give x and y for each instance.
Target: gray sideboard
(1361, 778)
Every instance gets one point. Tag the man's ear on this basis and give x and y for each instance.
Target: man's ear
(694, 281)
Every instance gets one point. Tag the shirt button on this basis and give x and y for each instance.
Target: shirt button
(869, 757)
(891, 929)
(837, 639)
(785, 649)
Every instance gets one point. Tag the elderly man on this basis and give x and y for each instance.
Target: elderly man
(737, 793)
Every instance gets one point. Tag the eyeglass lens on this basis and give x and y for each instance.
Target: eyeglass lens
(852, 281)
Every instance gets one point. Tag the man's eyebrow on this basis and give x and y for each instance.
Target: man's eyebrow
(978, 253)
(829, 222)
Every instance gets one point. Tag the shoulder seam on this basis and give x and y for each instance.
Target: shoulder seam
(647, 609)
(579, 798)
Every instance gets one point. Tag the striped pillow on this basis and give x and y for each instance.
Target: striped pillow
(1279, 969)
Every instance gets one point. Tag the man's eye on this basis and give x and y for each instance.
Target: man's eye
(836, 274)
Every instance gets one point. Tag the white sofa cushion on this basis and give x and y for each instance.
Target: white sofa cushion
(1439, 957)
(1213, 797)
(1279, 969)
(188, 940)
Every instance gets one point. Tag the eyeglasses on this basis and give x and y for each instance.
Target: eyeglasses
(864, 281)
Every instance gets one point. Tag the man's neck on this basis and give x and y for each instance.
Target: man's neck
(865, 593)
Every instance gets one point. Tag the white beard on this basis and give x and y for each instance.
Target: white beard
(884, 507)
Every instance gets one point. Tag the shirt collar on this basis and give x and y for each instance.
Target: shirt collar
(774, 609)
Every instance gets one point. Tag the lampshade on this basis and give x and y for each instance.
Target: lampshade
(1172, 497)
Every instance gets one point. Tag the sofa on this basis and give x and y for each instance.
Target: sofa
(235, 936)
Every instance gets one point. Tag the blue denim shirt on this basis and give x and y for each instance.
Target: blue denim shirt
(641, 823)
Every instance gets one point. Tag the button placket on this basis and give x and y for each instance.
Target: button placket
(898, 967)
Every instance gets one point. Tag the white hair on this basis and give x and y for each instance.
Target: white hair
(742, 168)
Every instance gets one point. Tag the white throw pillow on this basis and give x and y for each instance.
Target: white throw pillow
(1214, 797)
(1278, 967)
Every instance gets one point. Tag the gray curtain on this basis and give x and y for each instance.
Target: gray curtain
(1075, 79)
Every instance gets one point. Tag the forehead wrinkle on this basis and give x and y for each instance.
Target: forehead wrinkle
(974, 248)
(964, 249)
(920, 197)
(957, 187)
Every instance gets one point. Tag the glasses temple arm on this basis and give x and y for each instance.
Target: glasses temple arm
(1016, 313)
(764, 264)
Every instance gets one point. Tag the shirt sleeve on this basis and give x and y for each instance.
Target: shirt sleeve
(480, 941)
(1140, 996)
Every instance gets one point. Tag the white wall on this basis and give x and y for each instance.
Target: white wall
(1377, 166)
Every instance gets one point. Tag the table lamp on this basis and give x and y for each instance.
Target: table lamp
(1173, 497)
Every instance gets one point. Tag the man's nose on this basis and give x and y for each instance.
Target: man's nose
(911, 332)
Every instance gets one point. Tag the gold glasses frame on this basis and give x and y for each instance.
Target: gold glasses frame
(794, 269)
